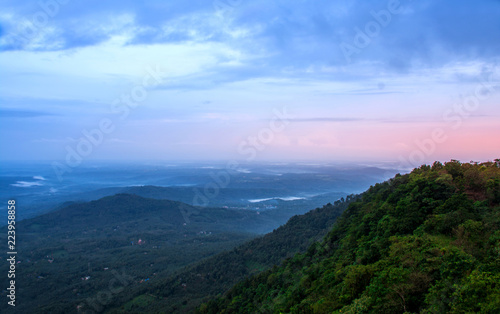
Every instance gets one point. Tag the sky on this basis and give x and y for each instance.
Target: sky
(346, 80)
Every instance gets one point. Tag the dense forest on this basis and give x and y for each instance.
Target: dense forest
(71, 256)
(68, 258)
(187, 289)
(425, 242)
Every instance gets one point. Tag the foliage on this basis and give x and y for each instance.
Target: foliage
(426, 242)
(99, 239)
(187, 289)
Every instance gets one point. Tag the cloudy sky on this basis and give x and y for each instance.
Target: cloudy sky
(250, 79)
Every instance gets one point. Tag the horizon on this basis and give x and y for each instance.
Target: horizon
(157, 153)
(386, 81)
(393, 164)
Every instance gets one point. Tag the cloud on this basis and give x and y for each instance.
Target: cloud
(54, 140)
(227, 68)
(328, 120)
(26, 184)
(12, 113)
(308, 33)
(120, 141)
(271, 39)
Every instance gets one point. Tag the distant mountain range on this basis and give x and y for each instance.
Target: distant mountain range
(426, 242)
(69, 255)
(146, 238)
(38, 191)
(423, 242)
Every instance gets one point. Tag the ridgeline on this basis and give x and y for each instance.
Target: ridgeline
(425, 242)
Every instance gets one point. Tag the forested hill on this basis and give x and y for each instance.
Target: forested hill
(186, 290)
(426, 242)
(144, 238)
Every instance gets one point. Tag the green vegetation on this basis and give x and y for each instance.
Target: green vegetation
(121, 241)
(213, 276)
(426, 242)
(132, 254)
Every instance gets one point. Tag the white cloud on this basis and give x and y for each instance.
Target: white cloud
(26, 184)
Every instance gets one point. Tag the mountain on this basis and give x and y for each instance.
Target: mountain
(187, 289)
(302, 186)
(68, 257)
(426, 242)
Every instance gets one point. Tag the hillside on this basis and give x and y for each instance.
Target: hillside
(426, 242)
(186, 290)
(68, 256)
(303, 186)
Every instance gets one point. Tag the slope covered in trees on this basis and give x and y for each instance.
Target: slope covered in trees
(186, 290)
(69, 257)
(426, 242)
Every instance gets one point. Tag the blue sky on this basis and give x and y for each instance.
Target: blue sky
(351, 80)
